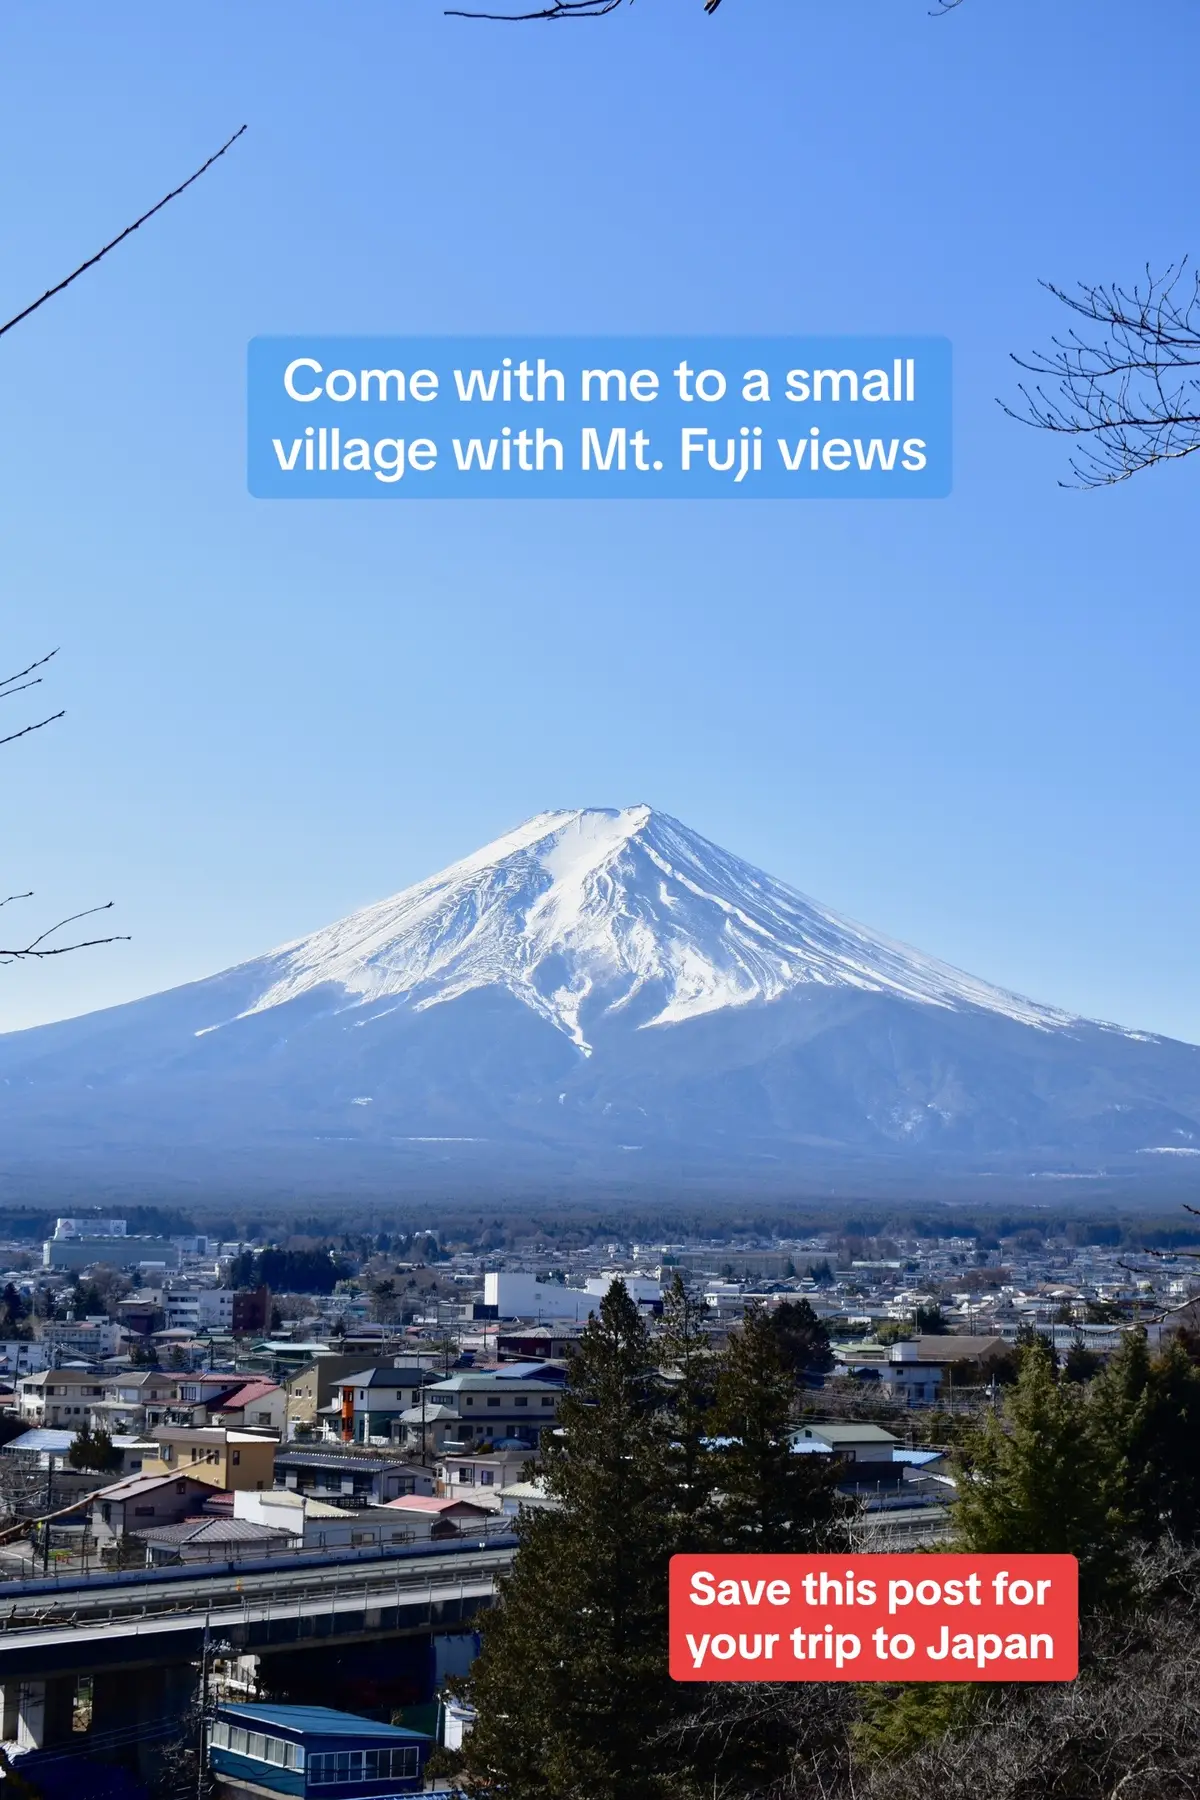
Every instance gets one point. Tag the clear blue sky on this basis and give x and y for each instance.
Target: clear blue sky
(971, 723)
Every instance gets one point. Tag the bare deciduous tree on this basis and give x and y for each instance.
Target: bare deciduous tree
(1126, 384)
(42, 945)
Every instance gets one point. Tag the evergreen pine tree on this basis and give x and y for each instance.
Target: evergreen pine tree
(1145, 1413)
(1080, 1363)
(1034, 1481)
(771, 1498)
(571, 1684)
(803, 1338)
(689, 1367)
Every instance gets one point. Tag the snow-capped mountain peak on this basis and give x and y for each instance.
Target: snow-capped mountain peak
(595, 912)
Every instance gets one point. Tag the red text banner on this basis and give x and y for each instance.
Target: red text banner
(911, 1617)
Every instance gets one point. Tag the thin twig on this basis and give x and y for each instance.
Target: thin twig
(8, 682)
(26, 729)
(93, 260)
(1128, 392)
(37, 948)
(557, 9)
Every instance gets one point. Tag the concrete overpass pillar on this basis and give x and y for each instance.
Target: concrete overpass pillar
(31, 1715)
(43, 1711)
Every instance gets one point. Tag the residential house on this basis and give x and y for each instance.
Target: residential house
(209, 1539)
(916, 1369)
(527, 1495)
(200, 1395)
(50, 1446)
(312, 1388)
(313, 1524)
(483, 1471)
(257, 1749)
(428, 1428)
(222, 1458)
(859, 1444)
(347, 1480)
(135, 1401)
(433, 1516)
(18, 1357)
(370, 1402)
(58, 1397)
(518, 1401)
(139, 1502)
(258, 1405)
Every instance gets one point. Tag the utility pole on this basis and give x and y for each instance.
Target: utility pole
(200, 1745)
(49, 1510)
(207, 1649)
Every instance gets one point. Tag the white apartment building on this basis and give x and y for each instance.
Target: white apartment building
(81, 1340)
(198, 1309)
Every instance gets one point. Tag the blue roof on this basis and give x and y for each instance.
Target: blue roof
(44, 1438)
(319, 1721)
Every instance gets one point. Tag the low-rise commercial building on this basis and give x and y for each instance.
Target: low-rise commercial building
(256, 1749)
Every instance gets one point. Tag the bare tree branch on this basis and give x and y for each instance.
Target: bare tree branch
(7, 682)
(37, 947)
(26, 729)
(16, 684)
(555, 9)
(120, 239)
(1123, 390)
(596, 9)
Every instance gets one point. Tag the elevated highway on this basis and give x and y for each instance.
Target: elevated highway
(153, 1618)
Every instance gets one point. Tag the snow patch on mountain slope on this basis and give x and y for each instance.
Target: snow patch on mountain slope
(584, 912)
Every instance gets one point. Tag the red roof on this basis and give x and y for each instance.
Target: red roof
(247, 1396)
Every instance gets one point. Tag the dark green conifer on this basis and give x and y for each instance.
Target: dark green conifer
(1034, 1480)
(689, 1369)
(571, 1686)
(1145, 1415)
(770, 1497)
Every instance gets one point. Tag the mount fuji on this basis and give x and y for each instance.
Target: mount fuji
(598, 997)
